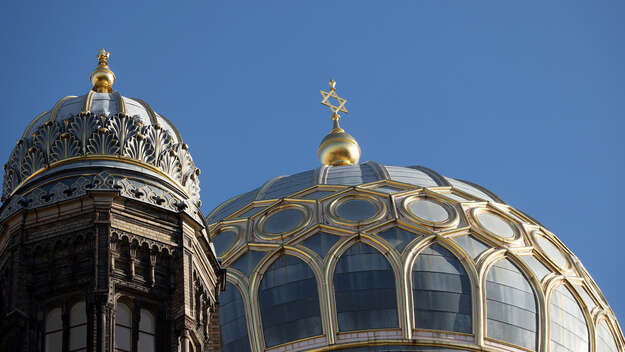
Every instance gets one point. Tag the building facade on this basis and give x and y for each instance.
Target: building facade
(103, 247)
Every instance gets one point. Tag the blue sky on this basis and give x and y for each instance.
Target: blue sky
(524, 98)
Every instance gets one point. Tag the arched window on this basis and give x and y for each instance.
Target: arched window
(568, 329)
(127, 329)
(364, 289)
(232, 321)
(510, 306)
(441, 291)
(123, 326)
(54, 331)
(289, 302)
(78, 327)
(605, 341)
(147, 331)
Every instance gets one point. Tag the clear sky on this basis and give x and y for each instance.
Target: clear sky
(525, 98)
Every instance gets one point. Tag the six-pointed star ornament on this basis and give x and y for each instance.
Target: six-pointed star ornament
(340, 102)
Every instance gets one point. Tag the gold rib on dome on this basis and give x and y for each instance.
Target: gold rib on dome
(102, 77)
(338, 147)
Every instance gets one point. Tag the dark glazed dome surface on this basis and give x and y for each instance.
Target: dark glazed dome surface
(399, 258)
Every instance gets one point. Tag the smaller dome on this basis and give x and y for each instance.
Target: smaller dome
(100, 140)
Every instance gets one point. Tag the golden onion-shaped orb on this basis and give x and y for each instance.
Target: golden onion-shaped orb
(338, 148)
(102, 77)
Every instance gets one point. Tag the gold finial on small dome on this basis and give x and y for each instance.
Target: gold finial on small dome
(338, 147)
(102, 77)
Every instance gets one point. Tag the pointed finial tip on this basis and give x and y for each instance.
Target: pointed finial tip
(103, 55)
(338, 147)
(102, 77)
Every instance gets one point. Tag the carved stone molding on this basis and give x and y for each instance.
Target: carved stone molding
(154, 246)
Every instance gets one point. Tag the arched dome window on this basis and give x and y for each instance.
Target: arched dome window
(147, 331)
(78, 327)
(510, 306)
(54, 330)
(568, 328)
(605, 340)
(234, 336)
(134, 326)
(364, 289)
(123, 325)
(289, 302)
(441, 291)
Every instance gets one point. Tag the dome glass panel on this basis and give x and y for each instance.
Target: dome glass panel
(356, 210)
(538, 268)
(251, 212)
(469, 189)
(398, 237)
(283, 221)
(289, 302)
(568, 329)
(223, 241)
(364, 289)
(551, 250)
(232, 321)
(589, 302)
(410, 176)
(247, 262)
(453, 196)
(510, 306)
(605, 341)
(441, 291)
(495, 224)
(389, 189)
(317, 194)
(320, 243)
(428, 210)
(471, 245)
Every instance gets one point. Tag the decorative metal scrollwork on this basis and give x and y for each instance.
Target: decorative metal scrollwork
(87, 134)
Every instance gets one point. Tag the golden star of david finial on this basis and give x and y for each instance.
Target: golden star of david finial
(340, 105)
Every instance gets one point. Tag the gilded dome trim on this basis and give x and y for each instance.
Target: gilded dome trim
(98, 157)
(379, 169)
(452, 213)
(263, 189)
(86, 106)
(121, 105)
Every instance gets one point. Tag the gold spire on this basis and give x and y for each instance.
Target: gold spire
(335, 108)
(102, 77)
(338, 147)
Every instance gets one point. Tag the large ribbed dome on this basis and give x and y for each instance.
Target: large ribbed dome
(385, 258)
(100, 141)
